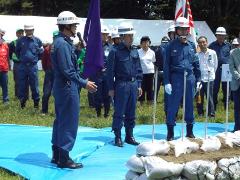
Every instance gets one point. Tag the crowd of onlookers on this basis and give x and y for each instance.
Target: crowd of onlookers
(30, 49)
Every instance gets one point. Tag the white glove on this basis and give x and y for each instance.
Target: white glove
(168, 89)
(199, 86)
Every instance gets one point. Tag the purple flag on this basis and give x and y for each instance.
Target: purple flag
(92, 35)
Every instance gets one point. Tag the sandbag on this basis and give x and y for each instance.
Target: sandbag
(143, 176)
(230, 167)
(131, 175)
(184, 146)
(153, 148)
(135, 164)
(199, 170)
(157, 168)
(230, 138)
(210, 144)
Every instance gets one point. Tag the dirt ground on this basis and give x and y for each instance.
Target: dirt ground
(224, 152)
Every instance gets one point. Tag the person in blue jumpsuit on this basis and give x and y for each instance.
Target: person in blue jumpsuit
(28, 50)
(125, 76)
(101, 96)
(222, 49)
(67, 82)
(180, 57)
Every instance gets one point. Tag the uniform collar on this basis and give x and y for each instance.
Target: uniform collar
(66, 38)
(122, 45)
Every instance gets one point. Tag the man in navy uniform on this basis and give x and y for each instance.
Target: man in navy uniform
(101, 96)
(180, 57)
(222, 49)
(29, 50)
(67, 82)
(125, 76)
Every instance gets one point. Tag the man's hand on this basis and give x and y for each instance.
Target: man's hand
(139, 92)
(168, 89)
(91, 86)
(111, 93)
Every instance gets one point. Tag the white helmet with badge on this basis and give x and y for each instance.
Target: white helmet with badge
(104, 29)
(221, 31)
(67, 17)
(126, 28)
(182, 22)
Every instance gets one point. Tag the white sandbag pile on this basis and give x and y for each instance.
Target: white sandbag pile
(231, 138)
(230, 169)
(157, 168)
(153, 148)
(184, 146)
(210, 144)
(147, 166)
(199, 170)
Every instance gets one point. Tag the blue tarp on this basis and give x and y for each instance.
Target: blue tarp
(26, 150)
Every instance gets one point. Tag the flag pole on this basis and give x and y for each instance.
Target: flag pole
(184, 101)
(155, 103)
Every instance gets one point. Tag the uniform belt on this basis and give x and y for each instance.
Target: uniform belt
(131, 79)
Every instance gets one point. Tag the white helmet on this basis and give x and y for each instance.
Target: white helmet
(182, 22)
(171, 28)
(67, 17)
(115, 35)
(28, 27)
(126, 28)
(221, 31)
(104, 29)
(235, 41)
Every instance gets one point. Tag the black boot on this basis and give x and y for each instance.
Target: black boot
(170, 132)
(189, 131)
(98, 110)
(23, 104)
(106, 112)
(118, 140)
(36, 104)
(66, 162)
(55, 154)
(129, 137)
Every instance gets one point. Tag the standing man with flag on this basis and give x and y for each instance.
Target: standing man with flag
(67, 82)
(125, 77)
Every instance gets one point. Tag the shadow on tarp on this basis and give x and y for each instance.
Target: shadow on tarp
(37, 159)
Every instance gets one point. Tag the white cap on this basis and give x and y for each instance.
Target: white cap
(2, 32)
(115, 35)
(67, 17)
(221, 31)
(28, 27)
(236, 41)
(182, 22)
(104, 29)
(171, 28)
(126, 28)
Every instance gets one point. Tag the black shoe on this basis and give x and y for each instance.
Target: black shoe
(36, 104)
(98, 110)
(69, 164)
(129, 137)
(65, 161)
(118, 142)
(55, 154)
(170, 132)
(23, 104)
(189, 131)
(131, 140)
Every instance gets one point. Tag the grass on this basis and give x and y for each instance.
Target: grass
(13, 114)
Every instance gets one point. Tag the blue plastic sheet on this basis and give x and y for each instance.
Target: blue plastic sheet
(26, 150)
